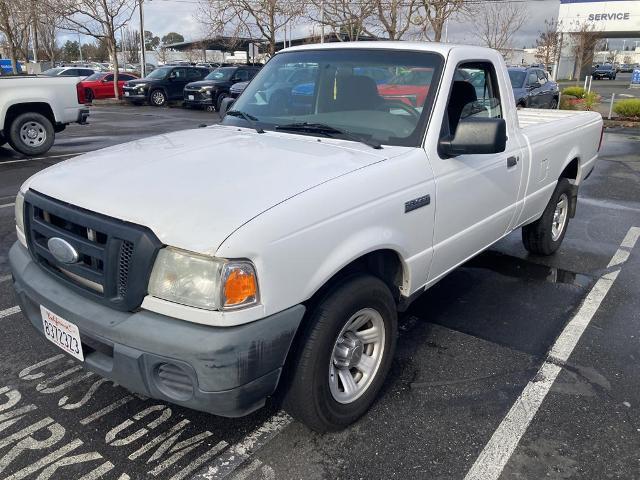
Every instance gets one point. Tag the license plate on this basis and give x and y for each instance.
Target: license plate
(126, 94)
(61, 333)
(191, 97)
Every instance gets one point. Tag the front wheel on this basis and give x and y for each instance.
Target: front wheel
(31, 134)
(158, 98)
(545, 235)
(343, 355)
(219, 100)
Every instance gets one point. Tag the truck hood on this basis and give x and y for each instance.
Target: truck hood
(193, 188)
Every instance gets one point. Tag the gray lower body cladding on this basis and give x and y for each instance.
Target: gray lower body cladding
(227, 371)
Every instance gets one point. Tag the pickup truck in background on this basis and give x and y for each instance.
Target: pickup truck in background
(215, 283)
(34, 109)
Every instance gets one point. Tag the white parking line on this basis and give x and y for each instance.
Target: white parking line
(495, 455)
(7, 205)
(41, 158)
(237, 454)
(9, 311)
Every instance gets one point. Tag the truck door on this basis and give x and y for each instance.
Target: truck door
(476, 194)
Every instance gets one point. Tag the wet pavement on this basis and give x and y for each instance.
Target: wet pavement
(467, 349)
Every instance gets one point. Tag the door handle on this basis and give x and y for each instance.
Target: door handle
(512, 162)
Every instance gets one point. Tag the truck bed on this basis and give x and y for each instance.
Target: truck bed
(528, 117)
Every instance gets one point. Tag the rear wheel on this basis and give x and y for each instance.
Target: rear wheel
(31, 134)
(89, 95)
(545, 235)
(343, 355)
(554, 104)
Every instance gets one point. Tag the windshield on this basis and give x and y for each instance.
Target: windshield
(95, 77)
(517, 78)
(160, 73)
(221, 74)
(345, 89)
(52, 72)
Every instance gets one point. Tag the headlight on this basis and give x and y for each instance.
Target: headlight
(141, 86)
(19, 209)
(203, 282)
(206, 90)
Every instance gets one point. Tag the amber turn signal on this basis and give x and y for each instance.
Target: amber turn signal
(240, 286)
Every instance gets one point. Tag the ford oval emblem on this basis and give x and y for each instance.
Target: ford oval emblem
(62, 250)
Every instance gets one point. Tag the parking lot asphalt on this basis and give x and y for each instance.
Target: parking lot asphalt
(469, 351)
(620, 86)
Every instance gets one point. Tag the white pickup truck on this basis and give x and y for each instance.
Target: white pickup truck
(212, 267)
(34, 109)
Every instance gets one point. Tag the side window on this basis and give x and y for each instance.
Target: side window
(194, 74)
(72, 72)
(252, 73)
(474, 93)
(124, 78)
(109, 78)
(532, 78)
(87, 72)
(179, 73)
(242, 75)
(542, 78)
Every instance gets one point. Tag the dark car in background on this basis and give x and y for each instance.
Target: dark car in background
(532, 88)
(210, 91)
(162, 85)
(604, 71)
(237, 88)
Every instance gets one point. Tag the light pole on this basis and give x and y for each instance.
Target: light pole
(322, 21)
(143, 59)
(80, 46)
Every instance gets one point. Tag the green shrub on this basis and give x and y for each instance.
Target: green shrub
(577, 92)
(590, 99)
(628, 108)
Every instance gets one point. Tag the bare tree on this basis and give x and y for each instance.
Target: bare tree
(394, 18)
(497, 22)
(100, 19)
(14, 27)
(260, 19)
(584, 39)
(47, 33)
(432, 16)
(346, 19)
(548, 43)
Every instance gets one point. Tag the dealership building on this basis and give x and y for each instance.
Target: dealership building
(583, 22)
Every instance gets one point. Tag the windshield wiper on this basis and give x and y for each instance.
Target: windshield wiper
(329, 131)
(250, 119)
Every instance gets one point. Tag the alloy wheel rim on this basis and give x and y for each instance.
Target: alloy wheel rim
(33, 133)
(158, 98)
(559, 217)
(357, 355)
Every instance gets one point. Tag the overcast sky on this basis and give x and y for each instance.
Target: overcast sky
(163, 16)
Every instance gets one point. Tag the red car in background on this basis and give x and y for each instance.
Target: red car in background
(410, 87)
(100, 85)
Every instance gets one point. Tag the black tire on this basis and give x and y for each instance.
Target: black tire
(554, 104)
(31, 134)
(308, 395)
(157, 98)
(538, 237)
(219, 100)
(89, 95)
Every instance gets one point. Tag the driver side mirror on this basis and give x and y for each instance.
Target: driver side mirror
(475, 135)
(173, 76)
(225, 106)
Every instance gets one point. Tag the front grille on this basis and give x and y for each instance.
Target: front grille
(114, 257)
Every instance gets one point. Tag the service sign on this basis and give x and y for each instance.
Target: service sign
(635, 77)
(613, 16)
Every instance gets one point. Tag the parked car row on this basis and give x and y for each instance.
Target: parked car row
(533, 88)
(295, 85)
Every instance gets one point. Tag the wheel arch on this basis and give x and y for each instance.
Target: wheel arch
(43, 108)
